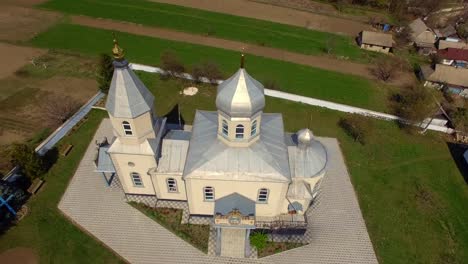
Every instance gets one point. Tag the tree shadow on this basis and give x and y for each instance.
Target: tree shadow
(50, 158)
(457, 150)
(173, 116)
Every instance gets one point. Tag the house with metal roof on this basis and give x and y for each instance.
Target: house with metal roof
(237, 167)
(454, 79)
(422, 36)
(376, 41)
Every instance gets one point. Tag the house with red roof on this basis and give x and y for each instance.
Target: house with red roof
(454, 57)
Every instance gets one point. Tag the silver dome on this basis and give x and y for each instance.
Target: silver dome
(241, 95)
(311, 156)
(304, 137)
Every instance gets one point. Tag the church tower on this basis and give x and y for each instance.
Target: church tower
(136, 128)
(240, 102)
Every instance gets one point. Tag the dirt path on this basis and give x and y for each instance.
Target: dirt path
(274, 13)
(315, 61)
(19, 255)
(14, 57)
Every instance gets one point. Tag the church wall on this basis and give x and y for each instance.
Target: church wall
(160, 180)
(197, 205)
(141, 166)
(142, 128)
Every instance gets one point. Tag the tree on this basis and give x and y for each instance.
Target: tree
(105, 72)
(459, 118)
(384, 69)
(207, 69)
(171, 63)
(357, 127)
(272, 85)
(58, 108)
(414, 103)
(403, 37)
(30, 162)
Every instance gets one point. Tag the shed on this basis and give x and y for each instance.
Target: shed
(376, 41)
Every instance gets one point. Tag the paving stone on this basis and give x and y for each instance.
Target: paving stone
(336, 228)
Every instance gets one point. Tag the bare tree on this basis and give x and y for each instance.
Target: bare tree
(171, 63)
(384, 69)
(58, 108)
(207, 69)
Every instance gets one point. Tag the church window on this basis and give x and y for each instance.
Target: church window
(171, 185)
(240, 131)
(262, 195)
(127, 128)
(225, 128)
(136, 178)
(253, 131)
(208, 193)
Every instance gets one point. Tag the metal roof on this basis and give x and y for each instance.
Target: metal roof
(240, 95)
(299, 190)
(422, 34)
(450, 75)
(377, 38)
(104, 161)
(264, 160)
(174, 152)
(232, 201)
(128, 97)
(306, 160)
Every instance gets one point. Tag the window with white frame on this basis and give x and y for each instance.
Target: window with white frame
(225, 128)
(136, 179)
(253, 131)
(171, 185)
(127, 128)
(208, 193)
(239, 131)
(262, 195)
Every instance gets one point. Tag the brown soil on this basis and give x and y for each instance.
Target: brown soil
(20, 24)
(14, 57)
(276, 14)
(322, 62)
(19, 256)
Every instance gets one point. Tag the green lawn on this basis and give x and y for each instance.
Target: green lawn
(293, 78)
(45, 229)
(410, 190)
(219, 25)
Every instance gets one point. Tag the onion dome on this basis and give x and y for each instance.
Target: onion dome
(311, 155)
(128, 97)
(240, 95)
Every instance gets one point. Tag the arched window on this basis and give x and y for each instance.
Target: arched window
(262, 195)
(225, 128)
(171, 185)
(208, 193)
(127, 128)
(253, 131)
(136, 179)
(239, 131)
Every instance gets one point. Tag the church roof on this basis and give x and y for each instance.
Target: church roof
(264, 160)
(307, 159)
(240, 95)
(128, 97)
(299, 190)
(174, 152)
(226, 204)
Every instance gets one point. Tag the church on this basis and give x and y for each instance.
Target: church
(236, 166)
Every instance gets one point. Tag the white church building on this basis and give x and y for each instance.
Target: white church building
(236, 166)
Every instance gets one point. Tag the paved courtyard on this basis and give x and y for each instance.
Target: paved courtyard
(336, 228)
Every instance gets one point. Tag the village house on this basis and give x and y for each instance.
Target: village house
(447, 43)
(454, 79)
(446, 32)
(422, 36)
(454, 57)
(376, 41)
(236, 168)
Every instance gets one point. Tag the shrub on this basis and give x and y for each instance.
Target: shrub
(105, 72)
(272, 85)
(171, 63)
(414, 103)
(358, 127)
(207, 69)
(259, 240)
(30, 162)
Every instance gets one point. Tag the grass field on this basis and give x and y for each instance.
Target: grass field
(213, 24)
(45, 230)
(293, 78)
(410, 190)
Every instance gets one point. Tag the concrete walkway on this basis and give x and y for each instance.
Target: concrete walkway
(337, 229)
(306, 100)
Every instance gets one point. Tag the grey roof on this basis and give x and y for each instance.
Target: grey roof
(446, 31)
(240, 95)
(306, 160)
(421, 34)
(232, 201)
(264, 160)
(377, 38)
(299, 190)
(444, 44)
(104, 161)
(450, 75)
(174, 152)
(128, 97)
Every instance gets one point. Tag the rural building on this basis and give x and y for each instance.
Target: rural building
(376, 41)
(236, 167)
(454, 79)
(454, 57)
(422, 36)
(446, 32)
(445, 44)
